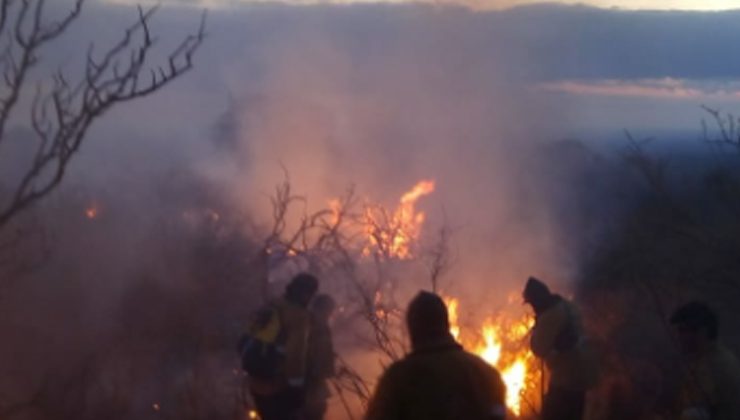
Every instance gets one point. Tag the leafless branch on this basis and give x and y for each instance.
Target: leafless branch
(62, 116)
(728, 126)
(334, 239)
(438, 257)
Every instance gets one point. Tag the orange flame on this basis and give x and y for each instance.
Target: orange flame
(501, 342)
(393, 235)
(515, 378)
(490, 349)
(452, 310)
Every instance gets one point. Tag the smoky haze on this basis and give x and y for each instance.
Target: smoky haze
(378, 97)
(382, 97)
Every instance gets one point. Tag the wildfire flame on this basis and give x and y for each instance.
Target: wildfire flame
(490, 349)
(452, 311)
(385, 233)
(515, 378)
(394, 234)
(501, 343)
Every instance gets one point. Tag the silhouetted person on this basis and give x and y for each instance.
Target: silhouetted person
(283, 397)
(711, 385)
(320, 364)
(559, 340)
(438, 379)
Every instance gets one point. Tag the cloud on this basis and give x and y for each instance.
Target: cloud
(625, 61)
(539, 42)
(666, 88)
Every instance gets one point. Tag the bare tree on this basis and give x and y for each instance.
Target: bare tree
(727, 126)
(439, 258)
(62, 115)
(349, 243)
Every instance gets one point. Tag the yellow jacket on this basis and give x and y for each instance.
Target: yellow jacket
(558, 339)
(440, 383)
(295, 325)
(290, 330)
(711, 386)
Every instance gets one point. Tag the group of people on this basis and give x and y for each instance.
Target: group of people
(297, 325)
(438, 379)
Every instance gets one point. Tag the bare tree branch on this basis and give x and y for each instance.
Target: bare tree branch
(728, 127)
(62, 117)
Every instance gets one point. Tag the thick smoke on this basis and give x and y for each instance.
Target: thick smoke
(380, 98)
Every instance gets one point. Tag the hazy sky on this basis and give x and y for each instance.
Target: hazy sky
(608, 68)
(381, 96)
(485, 4)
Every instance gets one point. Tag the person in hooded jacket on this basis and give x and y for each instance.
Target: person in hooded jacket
(559, 340)
(711, 379)
(438, 380)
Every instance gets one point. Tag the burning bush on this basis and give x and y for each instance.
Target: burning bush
(370, 256)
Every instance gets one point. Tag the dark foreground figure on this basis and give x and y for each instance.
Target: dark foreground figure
(559, 340)
(438, 379)
(280, 395)
(320, 366)
(711, 384)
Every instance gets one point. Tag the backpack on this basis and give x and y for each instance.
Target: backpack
(261, 348)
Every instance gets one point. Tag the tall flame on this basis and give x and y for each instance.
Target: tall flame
(393, 234)
(515, 377)
(500, 341)
(452, 311)
(490, 349)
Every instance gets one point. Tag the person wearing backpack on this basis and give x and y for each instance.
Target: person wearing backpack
(274, 351)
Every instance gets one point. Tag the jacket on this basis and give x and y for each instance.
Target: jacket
(440, 382)
(289, 330)
(711, 386)
(558, 338)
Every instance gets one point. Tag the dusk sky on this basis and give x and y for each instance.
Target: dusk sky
(358, 79)
(621, 65)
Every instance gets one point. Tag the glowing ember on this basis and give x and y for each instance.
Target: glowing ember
(335, 206)
(252, 415)
(380, 313)
(393, 234)
(501, 342)
(92, 211)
